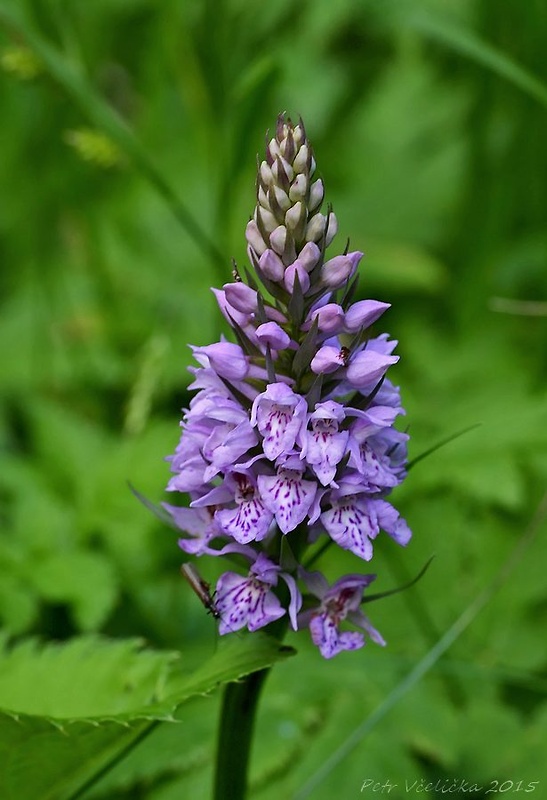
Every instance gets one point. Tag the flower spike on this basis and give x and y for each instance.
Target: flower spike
(290, 434)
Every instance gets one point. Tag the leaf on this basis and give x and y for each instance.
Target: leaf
(296, 303)
(88, 677)
(75, 709)
(179, 753)
(307, 350)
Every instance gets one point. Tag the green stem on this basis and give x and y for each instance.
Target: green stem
(239, 704)
(235, 732)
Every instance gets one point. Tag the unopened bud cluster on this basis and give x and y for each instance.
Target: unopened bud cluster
(289, 441)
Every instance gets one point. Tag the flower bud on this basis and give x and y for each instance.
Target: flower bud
(367, 367)
(299, 188)
(282, 172)
(230, 313)
(332, 228)
(304, 161)
(278, 239)
(272, 151)
(316, 228)
(254, 237)
(293, 215)
(327, 359)
(362, 314)
(317, 192)
(287, 148)
(263, 198)
(282, 198)
(273, 334)
(309, 256)
(271, 265)
(266, 174)
(265, 219)
(303, 277)
(330, 318)
(241, 296)
(338, 270)
(226, 358)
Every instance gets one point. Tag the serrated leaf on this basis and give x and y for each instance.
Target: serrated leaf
(87, 677)
(72, 710)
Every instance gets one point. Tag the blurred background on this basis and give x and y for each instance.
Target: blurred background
(128, 146)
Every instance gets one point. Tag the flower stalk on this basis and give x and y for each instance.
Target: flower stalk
(235, 733)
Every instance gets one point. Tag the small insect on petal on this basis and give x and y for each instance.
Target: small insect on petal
(201, 589)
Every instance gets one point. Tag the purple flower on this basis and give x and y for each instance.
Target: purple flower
(330, 318)
(249, 601)
(328, 359)
(216, 432)
(227, 359)
(381, 458)
(355, 519)
(231, 314)
(199, 523)
(367, 367)
(249, 520)
(239, 510)
(338, 271)
(272, 266)
(279, 414)
(339, 602)
(241, 297)
(324, 446)
(362, 314)
(272, 334)
(296, 268)
(287, 495)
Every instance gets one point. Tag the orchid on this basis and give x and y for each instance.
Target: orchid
(289, 441)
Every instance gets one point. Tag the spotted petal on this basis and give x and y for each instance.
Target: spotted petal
(326, 636)
(287, 496)
(349, 524)
(245, 601)
(324, 450)
(279, 414)
(248, 522)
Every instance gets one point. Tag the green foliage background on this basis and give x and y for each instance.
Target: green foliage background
(128, 140)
